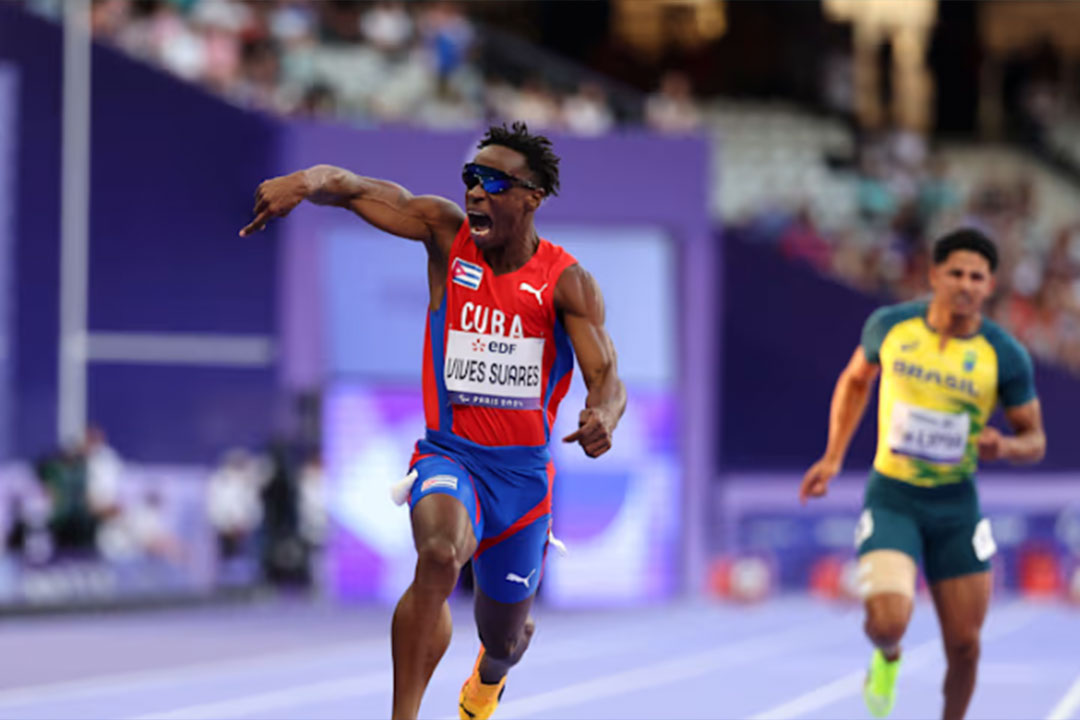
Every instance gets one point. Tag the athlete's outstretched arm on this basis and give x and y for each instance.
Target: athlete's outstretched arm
(386, 205)
(1028, 445)
(581, 307)
(848, 405)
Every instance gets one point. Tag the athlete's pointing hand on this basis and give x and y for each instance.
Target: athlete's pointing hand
(276, 197)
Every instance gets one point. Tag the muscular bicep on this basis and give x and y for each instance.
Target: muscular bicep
(1026, 418)
(430, 219)
(581, 307)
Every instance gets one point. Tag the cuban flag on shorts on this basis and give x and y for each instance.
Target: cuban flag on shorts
(467, 274)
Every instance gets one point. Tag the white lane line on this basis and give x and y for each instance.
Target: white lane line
(336, 689)
(599, 643)
(1067, 705)
(842, 687)
(277, 700)
(344, 688)
(915, 658)
(666, 672)
(182, 674)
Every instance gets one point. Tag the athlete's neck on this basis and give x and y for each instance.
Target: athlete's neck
(512, 255)
(948, 324)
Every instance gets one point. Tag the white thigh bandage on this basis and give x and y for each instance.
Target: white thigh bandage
(886, 571)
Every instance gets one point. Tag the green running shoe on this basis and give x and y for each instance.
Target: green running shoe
(879, 690)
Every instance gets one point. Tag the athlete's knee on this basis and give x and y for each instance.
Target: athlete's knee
(964, 648)
(886, 623)
(508, 648)
(438, 564)
(885, 632)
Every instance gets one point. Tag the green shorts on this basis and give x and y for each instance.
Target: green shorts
(942, 526)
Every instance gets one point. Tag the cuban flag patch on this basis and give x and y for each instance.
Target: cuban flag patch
(467, 274)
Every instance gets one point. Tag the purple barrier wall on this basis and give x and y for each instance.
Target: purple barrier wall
(172, 172)
(787, 336)
(33, 47)
(173, 175)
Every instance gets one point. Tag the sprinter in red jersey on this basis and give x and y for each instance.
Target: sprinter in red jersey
(508, 313)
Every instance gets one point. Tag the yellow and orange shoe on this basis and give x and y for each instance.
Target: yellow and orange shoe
(479, 699)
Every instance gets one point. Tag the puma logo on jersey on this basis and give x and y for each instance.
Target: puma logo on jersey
(514, 577)
(530, 289)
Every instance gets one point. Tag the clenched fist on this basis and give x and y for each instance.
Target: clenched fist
(816, 481)
(593, 433)
(991, 444)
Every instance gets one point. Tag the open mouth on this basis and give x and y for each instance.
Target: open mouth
(479, 223)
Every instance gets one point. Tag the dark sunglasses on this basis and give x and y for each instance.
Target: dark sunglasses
(494, 181)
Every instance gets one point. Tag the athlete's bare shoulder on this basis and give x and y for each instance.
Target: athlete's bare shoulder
(578, 293)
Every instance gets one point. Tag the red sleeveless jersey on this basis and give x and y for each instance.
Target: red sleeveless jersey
(497, 361)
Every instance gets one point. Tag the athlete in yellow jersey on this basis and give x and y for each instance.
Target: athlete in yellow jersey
(943, 370)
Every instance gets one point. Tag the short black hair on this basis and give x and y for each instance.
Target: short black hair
(540, 158)
(966, 239)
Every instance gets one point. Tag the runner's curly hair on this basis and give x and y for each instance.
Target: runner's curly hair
(542, 161)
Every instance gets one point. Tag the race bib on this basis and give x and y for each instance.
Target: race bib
(937, 437)
(493, 371)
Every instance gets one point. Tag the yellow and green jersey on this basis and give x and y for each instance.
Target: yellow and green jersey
(935, 400)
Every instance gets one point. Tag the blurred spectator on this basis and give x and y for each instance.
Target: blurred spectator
(27, 537)
(318, 101)
(233, 505)
(285, 554)
(71, 522)
(387, 26)
(874, 197)
(104, 470)
(937, 194)
(801, 240)
(449, 110)
(108, 17)
(314, 503)
(139, 531)
(258, 84)
(587, 112)
(449, 37)
(535, 105)
(672, 108)
(340, 21)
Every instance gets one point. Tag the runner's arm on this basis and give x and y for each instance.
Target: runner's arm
(1027, 445)
(388, 206)
(848, 405)
(578, 300)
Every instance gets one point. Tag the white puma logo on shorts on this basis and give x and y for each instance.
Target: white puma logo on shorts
(514, 577)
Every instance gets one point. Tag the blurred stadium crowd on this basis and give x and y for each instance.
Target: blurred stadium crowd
(415, 63)
(266, 514)
(903, 197)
